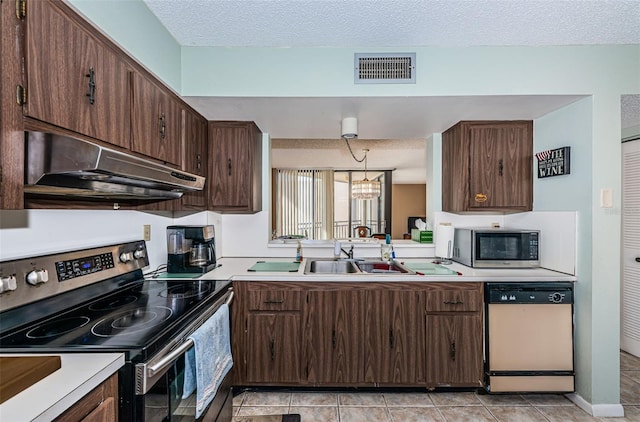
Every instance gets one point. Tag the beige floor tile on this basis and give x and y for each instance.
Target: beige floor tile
(363, 414)
(408, 399)
(415, 414)
(629, 390)
(238, 399)
(631, 414)
(466, 414)
(502, 400)
(517, 414)
(316, 413)
(455, 399)
(314, 399)
(565, 414)
(262, 410)
(547, 400)
(267, 398)
(628, 361)
(361, 399)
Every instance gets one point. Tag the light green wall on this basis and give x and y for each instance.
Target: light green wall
(571, 126)
(131, 24)
(601, 72)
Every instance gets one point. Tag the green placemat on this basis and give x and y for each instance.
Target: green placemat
(429, 268)
(291, 267)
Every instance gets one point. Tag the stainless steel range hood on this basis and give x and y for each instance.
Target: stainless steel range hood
(65, 166)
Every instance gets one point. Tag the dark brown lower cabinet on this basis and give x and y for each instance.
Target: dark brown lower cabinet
(334, 336)
(100, 405)
(369, 334)
(273, 342)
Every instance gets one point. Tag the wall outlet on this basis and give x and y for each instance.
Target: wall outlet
(495, 225)
(146, 232)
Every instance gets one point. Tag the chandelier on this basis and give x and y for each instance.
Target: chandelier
(365, 188)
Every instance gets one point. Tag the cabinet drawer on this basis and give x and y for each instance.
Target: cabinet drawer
(454, 300)
(263, 299)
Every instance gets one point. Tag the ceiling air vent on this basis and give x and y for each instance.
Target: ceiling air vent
(385, 68)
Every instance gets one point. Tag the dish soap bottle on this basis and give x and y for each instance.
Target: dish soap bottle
(386, 248)
(299, 252)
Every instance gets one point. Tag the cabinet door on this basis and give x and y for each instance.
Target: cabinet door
(500, 166)
(394, 336)
(156, 121)
(454, 350)
(273, 348)
(235, 156)
(333, 337)
(195, 156)
(73, 81)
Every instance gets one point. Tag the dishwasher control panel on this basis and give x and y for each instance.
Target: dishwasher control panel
(554, 293)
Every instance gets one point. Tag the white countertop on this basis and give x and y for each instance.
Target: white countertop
(50, 397)
(236, 269)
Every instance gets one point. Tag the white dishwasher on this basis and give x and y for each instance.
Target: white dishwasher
(529, 337)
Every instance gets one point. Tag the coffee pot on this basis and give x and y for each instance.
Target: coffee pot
(190, 249)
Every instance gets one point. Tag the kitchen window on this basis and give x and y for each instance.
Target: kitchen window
(317, 204)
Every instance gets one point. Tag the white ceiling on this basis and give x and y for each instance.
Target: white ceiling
(389, 23)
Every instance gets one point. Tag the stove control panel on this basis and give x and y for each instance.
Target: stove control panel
(27, 280)
(82, 266)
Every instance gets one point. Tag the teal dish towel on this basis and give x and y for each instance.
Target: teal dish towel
(209, 360)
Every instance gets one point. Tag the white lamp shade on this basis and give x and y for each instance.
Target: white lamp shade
(350, 127)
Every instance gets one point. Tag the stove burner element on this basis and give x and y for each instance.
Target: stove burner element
(186, 290)
(58, 326)
(131, 321)
(112, 303)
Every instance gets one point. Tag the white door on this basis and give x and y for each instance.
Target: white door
(630, 294)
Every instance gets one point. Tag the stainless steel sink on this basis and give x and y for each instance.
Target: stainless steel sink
(331, 266)
(383, 267)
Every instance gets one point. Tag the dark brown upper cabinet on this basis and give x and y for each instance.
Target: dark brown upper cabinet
(72, 79)
(156, 121)
(488, 166)
(235, 167)
(194, 158)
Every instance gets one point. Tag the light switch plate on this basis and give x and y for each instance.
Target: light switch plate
(606, 198)
(146, 232)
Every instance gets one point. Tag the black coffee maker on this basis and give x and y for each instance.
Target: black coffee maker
(190, 249)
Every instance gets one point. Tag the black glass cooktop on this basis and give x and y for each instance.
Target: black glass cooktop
(131, 318)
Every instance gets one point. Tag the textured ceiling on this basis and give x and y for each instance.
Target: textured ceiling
(393, 23)
(389, 23)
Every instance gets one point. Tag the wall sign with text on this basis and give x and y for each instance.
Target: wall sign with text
(554, 162)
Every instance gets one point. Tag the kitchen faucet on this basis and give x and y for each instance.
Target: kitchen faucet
(338, 250)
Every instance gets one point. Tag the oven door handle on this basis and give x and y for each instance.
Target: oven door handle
(188, 344)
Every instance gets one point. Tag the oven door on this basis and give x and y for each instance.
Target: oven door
(159, 382)
(164, 402)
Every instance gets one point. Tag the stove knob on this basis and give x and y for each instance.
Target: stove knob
(36, 277)
(126, 257)
(8, 284)
(140, 253)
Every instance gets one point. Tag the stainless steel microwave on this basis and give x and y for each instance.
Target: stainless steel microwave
(496, 248)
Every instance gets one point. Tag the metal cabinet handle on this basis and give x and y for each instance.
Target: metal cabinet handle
(333, 338)
(452, 351)
(198, 161)
(229, 167)
(500, 167)
(92, 85)
(453, 302)
(392, 341)
(163, 125)
(273, 301)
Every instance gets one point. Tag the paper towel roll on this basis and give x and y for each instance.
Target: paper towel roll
(444, 241)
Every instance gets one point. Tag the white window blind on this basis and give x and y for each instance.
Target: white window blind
(304, 203)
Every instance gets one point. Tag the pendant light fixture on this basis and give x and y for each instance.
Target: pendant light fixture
(365, 188)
